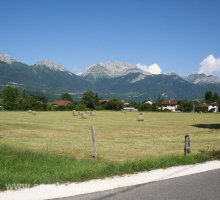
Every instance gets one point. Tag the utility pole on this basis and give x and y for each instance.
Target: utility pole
(193, 110)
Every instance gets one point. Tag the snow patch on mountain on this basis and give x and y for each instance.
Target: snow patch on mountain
(164, 95)
(175, 77)
(14, 83)
(138, 78)
(79, 74)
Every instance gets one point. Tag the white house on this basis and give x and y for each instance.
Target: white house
(170, 105)
(148, 102)
(213, 107)
(130, 109)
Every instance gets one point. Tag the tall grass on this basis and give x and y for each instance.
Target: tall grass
(26, 167)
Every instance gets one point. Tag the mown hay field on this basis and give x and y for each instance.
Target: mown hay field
(119, 135)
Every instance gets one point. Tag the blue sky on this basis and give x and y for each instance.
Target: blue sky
(175, 34)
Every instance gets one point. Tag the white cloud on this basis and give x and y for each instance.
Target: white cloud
(153, 69)
(210, 66)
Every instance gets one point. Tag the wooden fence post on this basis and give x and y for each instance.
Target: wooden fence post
(94, 142)
(187, 145)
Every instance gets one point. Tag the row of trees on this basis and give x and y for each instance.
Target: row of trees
(90, 100)
(13, 99)
(211, 97)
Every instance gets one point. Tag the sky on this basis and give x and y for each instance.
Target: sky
(181, 36)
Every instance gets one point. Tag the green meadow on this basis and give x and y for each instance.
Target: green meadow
(119, 136)
(52, 147)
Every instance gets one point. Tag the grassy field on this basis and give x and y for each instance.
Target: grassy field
(119, 136)
(30, 168)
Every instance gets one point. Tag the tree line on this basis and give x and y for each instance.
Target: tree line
(11, 98)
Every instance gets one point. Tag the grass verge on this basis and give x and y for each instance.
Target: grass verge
(26, 167)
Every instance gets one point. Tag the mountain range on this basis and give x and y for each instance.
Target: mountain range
(110, 80)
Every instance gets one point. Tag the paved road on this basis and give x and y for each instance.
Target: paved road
(202, 186)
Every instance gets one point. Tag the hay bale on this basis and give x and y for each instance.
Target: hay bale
(75, 113)
(29, 111)
(84, 116)
(140, 118)
(92, 113)
(34, 113)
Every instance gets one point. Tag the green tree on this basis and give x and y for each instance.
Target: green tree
(186, 106)
(147, 107)
(29, 102)
(215, 97)
(114, 104)
(208, 96)
(34, 103)
(10, 98)
(134, 104)
(0, 97)
(79, 106)
(66, 96)
(90, 99)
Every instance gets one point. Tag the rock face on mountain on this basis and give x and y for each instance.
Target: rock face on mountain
(6, 58)
(138, 86)
(112, 69)
(51, 65)
(110, 80)
(202, 79)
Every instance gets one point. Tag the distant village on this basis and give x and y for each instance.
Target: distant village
(13, 99)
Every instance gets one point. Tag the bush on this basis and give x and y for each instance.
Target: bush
(147, 107)
(114, 104)
(80, 107)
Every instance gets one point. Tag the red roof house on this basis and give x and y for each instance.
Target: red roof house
(62, 103)
(171, 105)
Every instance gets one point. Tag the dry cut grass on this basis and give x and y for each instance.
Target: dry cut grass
(120, 136)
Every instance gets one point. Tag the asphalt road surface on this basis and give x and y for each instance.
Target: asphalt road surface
(202, 186)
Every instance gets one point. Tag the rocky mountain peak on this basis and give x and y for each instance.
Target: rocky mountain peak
(51, 65)
(112, 69)
(202, 79)
(6, 58)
